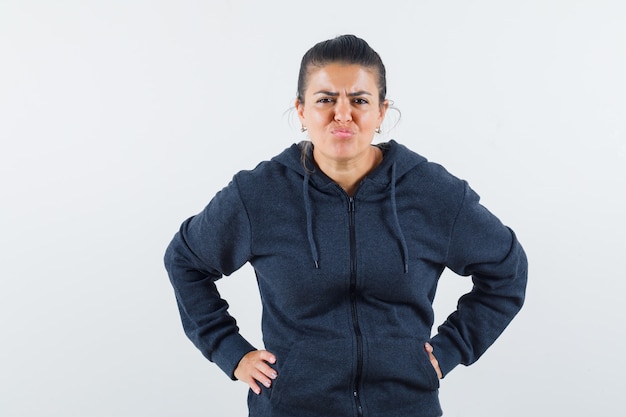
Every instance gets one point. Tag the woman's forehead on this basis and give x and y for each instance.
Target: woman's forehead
(342, 76)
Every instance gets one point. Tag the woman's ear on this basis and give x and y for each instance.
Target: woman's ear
(300, 110)
(383, 110)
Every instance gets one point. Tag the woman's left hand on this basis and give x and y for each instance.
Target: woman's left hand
(434, 362)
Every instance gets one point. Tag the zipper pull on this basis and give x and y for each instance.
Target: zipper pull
(350, 204)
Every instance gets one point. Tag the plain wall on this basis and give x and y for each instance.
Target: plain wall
(119, 119)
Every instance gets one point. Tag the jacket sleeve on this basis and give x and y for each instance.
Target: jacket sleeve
(208, 246)
(480, 246)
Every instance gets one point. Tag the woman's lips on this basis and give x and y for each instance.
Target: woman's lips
(343, 133)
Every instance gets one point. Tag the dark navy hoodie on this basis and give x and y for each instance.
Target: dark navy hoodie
(347, 283)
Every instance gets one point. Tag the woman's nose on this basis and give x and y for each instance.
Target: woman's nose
(343, 111)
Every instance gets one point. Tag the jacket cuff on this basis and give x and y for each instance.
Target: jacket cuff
(229, 352)
(445, 352)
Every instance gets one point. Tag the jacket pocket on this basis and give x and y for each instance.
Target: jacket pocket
(398, 368)
(315, 376)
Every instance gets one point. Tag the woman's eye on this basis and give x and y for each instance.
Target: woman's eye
(331, 100)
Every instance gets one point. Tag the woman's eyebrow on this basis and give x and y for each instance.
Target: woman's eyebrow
(335, 94)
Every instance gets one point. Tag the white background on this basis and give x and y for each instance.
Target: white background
(119, 119)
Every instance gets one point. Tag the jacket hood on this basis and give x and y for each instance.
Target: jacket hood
(394, 153)
(397, 161)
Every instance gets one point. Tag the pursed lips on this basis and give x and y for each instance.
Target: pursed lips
(342, 133)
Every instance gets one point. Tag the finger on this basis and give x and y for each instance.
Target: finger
(259, 362)
(267, 356)
(252, 383)
(262, 378)
(254, 369)
(433, 360)
(267, 370)
(255, 388)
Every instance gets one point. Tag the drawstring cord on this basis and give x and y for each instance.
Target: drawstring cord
(394, 206)
(309, 219)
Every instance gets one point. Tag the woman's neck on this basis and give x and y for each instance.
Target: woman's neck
(349, 174)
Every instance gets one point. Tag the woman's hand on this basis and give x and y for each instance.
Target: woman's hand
(428, 348)
(253, 368)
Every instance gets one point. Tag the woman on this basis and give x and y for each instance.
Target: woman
(348, 241)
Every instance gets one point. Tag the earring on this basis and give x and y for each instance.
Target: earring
(377, 130)
(303, 129)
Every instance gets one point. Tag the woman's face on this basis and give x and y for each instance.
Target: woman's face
(341, 111)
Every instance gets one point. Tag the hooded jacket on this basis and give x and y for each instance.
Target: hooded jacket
(347, 283)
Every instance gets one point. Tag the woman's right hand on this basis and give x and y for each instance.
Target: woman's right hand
(253, 368)
(433, 361)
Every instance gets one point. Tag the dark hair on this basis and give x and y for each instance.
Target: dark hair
(344, 49)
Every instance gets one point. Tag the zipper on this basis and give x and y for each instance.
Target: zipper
(353, 305)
